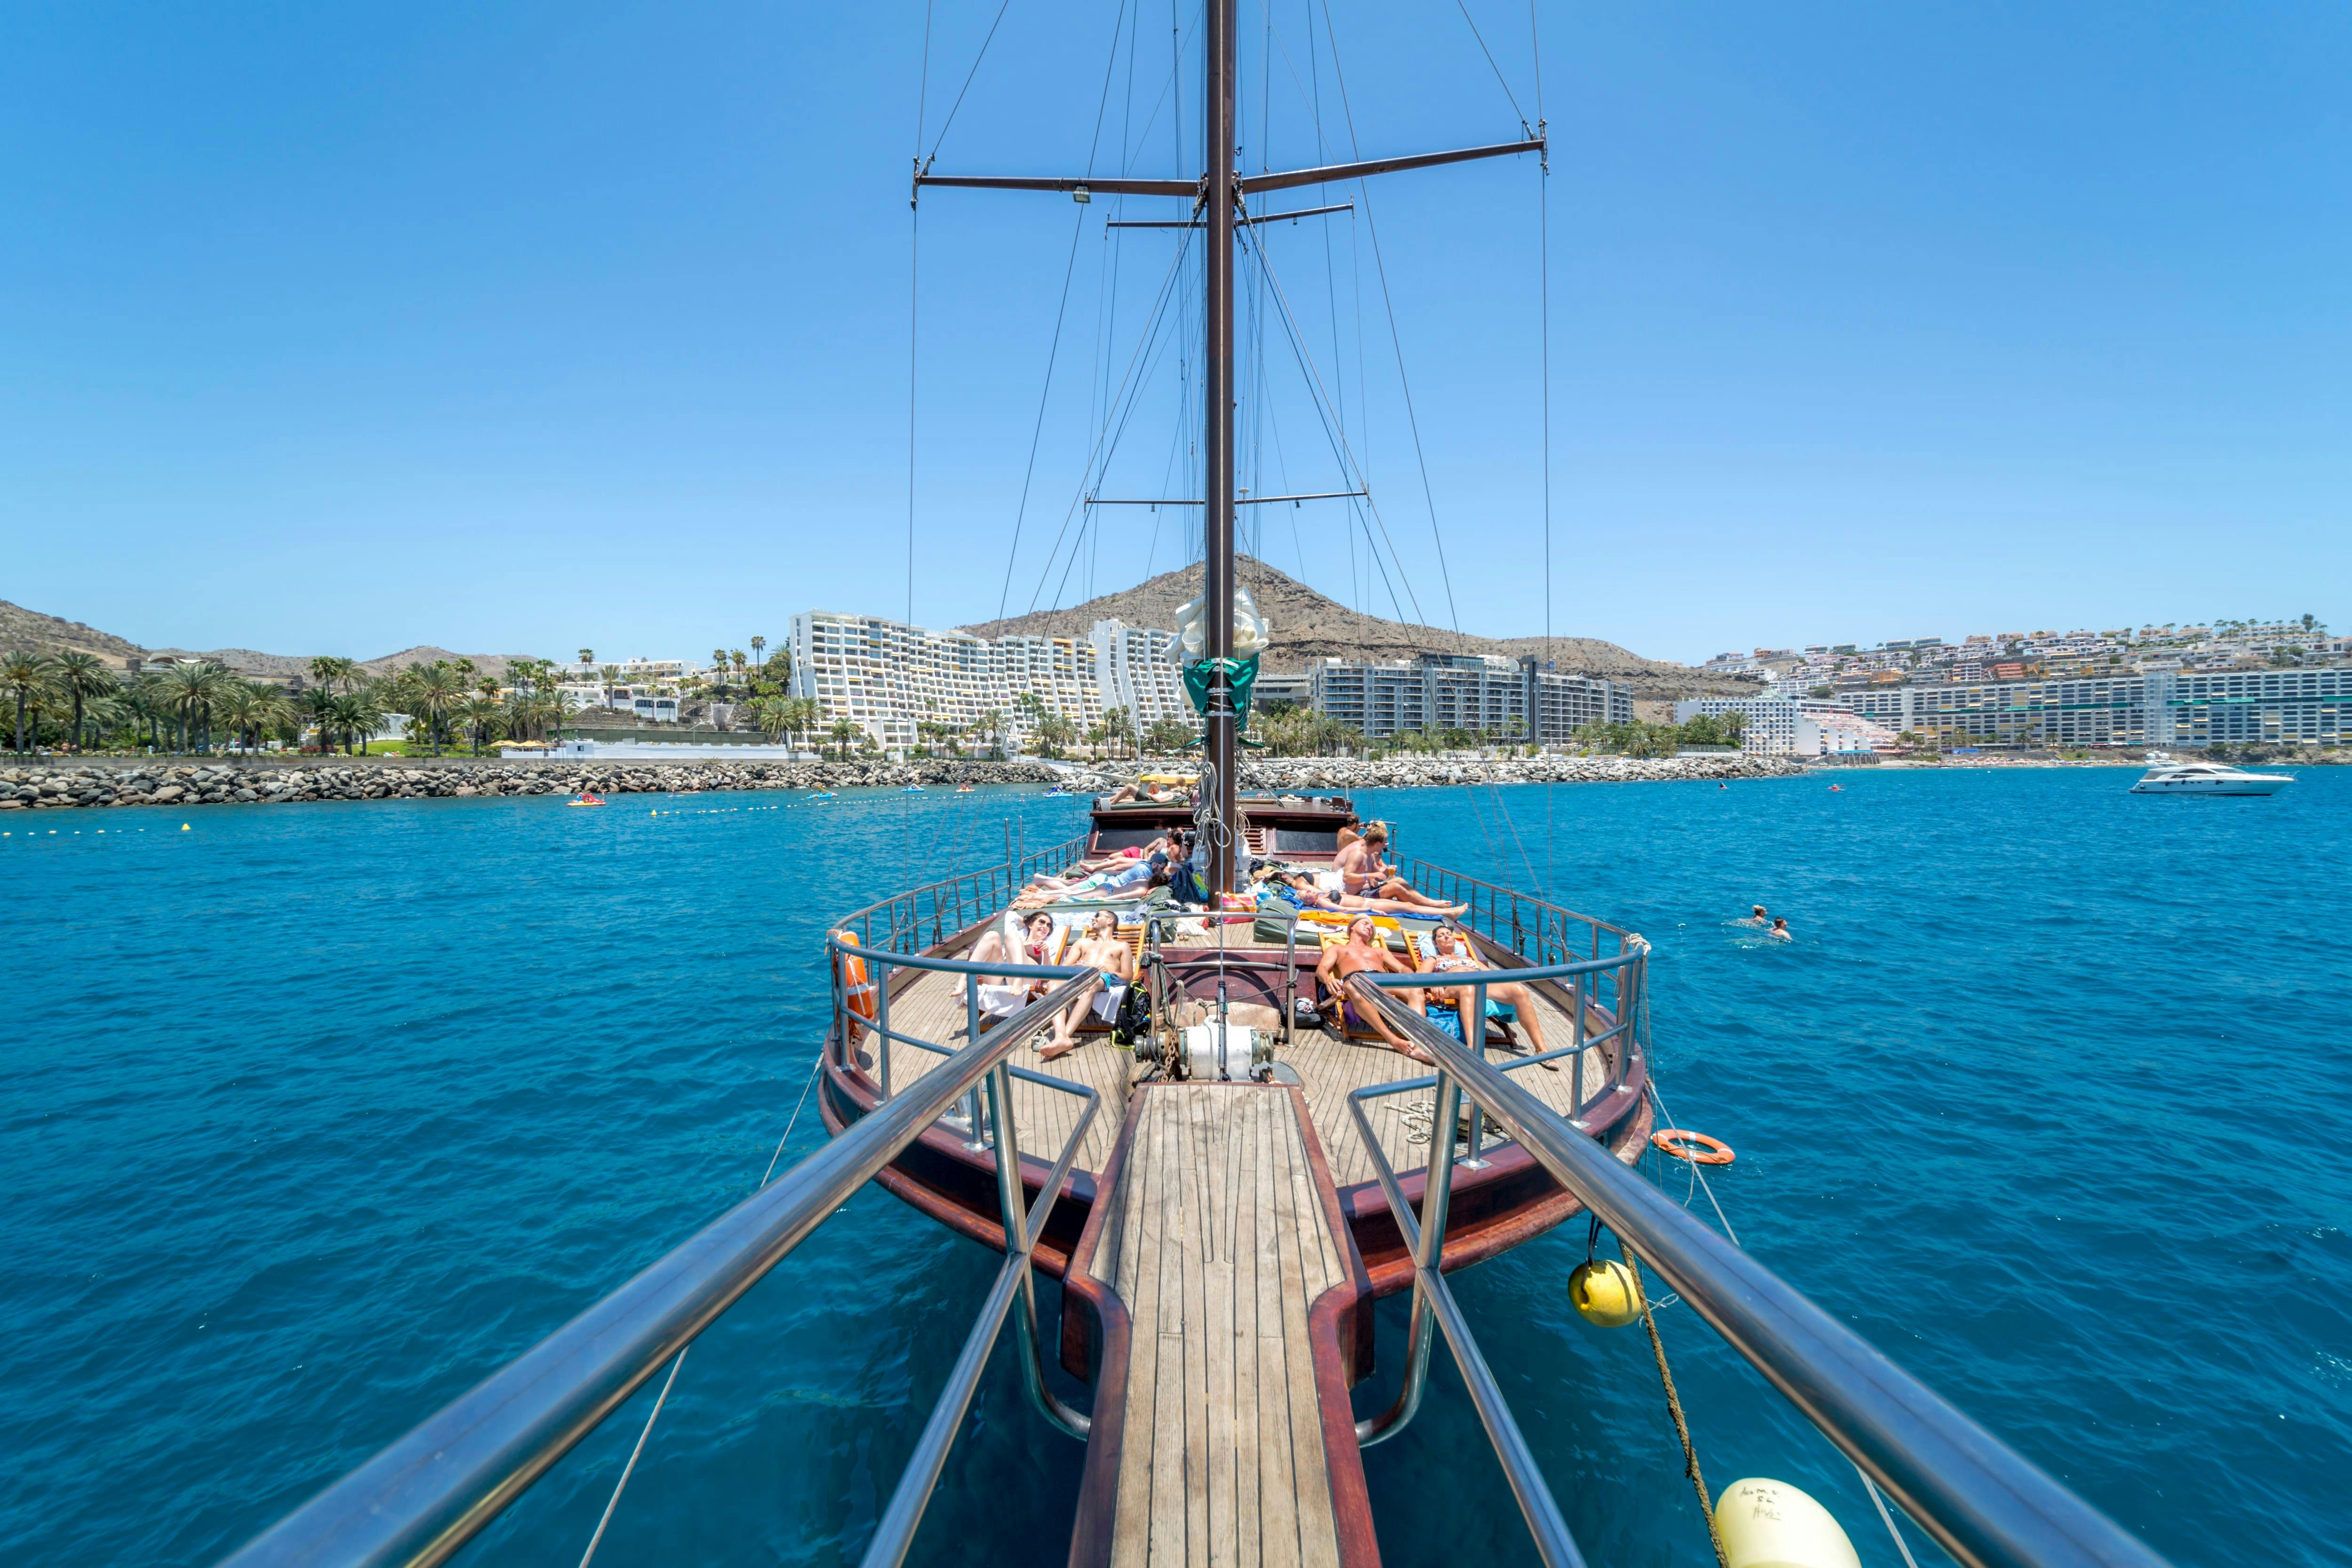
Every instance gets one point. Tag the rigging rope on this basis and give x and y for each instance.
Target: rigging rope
(1380, 266)
(663, 1397)
(1877, 1500)
(1674, 1409)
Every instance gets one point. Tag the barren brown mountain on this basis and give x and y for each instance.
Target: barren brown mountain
(1304, 627)
(21, 627)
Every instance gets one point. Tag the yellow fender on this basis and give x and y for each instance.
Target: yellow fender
(1771, 1525)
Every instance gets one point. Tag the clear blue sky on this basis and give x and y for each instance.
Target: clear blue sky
(515, 328)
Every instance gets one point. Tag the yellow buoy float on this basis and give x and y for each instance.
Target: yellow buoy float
(1771, 1525)
(1605, 1293)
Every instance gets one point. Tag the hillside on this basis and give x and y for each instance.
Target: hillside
(21, 627)
(1304, 626)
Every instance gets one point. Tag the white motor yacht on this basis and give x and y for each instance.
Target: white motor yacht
(2166, 776)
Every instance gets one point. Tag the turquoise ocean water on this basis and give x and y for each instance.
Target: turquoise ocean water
(314, 1115)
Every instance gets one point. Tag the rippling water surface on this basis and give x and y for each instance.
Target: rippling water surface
(313, 1115)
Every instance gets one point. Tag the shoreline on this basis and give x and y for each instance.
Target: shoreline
(77, 783)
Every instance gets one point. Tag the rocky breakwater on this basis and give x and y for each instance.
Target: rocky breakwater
(1307, 775)
(266, 780)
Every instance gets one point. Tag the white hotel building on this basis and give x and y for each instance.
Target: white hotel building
(887, 677)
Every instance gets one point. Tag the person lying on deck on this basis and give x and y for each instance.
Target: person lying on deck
(1001, 995)
(1128, 795)
(1364, 871)
(1105, 951)
(1125, 879)
(1298, 890)
(1454, 956)
(1362, 950)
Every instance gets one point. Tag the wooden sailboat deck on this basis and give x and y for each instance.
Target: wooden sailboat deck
(932, 1008)
(1218, 1268)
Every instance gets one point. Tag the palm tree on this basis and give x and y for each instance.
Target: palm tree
(843, 733)
(23, 672)
(484, 717)
(718, 662)
(612, 673)
(587, 656)
(191, 689)
(250, 707)
(430, 694)
(775, 715)
(145, 699)
(358, 715)
(81, 676)
(992, 728)
(759, 645)
(47, 697)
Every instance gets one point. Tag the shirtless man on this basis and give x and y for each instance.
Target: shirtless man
(1128, 795)
(1454, 955)
(1105, 951)
(1364, 950)
(1364, 873)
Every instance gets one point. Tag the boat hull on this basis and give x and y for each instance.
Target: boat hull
(2252, 784)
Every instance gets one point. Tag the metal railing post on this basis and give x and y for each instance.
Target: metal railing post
(882, 1023)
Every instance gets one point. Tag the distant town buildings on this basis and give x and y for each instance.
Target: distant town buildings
(2284, 683)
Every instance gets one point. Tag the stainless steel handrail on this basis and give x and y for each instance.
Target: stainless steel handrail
(429, 1492)
(1443, 883)
(1982, 1501)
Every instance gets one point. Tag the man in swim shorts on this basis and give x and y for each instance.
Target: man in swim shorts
(1105, 951)
(1362, 950)
(1364, 873)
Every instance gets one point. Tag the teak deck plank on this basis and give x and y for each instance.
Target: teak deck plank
(1218, 1242)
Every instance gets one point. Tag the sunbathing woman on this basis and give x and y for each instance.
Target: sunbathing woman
(1297, 888)
(1454, 956)
(1000, 996)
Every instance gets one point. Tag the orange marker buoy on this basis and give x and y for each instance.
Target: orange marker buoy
(1697, 1147)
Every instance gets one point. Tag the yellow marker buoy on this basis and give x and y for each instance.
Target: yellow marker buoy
(1771, 1525)
(1605, 1292)
(183, 827)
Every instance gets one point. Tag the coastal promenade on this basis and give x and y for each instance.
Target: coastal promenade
(58, 785)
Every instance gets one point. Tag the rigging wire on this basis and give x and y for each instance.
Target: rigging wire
(662, 1398)
(1499, 78)
(968, 76)
(1372, 229)
(1037, 432)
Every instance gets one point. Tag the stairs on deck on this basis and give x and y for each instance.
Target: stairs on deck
(1218, 1288)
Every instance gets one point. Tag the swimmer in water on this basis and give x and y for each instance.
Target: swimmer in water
(1756, 916)
(1780, 932)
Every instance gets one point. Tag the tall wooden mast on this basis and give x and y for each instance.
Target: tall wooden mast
(1217, 194)
(1218, 197)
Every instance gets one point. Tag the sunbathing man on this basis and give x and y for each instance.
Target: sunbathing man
(1364, 872)
(1454, 956)
(1128, 795)
(1105, 951)
(1364, 950)
(1297, 888)
(1000, 996)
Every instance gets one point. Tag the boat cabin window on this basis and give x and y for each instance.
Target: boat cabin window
(1306, 841)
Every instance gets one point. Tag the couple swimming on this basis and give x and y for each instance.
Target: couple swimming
(1774, 926)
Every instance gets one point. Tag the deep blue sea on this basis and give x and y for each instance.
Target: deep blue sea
(313, 1115)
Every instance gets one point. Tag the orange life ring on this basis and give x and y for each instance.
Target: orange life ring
(857, 988)
(1697, 1147)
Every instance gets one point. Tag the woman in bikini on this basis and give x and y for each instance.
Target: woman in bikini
(1454, 957)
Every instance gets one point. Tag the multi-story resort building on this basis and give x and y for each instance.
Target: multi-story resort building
(1481, 693)
(889, 679)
